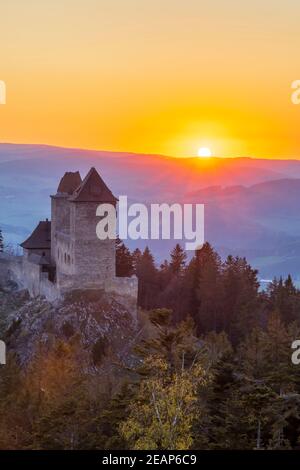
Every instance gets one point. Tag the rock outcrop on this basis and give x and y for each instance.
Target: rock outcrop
(98, 319)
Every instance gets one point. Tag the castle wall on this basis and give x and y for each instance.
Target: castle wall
(92, 261)
(32, 281)
(60, 221)
(28, 275)
(37, 282)
(127, 289)
(48, 289)
(64, 254)
(123, 285)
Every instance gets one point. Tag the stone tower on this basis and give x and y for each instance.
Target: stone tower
(60, 209)
(66, 254)
(81, 259)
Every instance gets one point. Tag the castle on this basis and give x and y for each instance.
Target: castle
(65, 254)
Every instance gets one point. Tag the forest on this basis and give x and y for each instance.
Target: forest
(211, 368)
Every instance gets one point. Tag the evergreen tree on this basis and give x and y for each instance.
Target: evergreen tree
(239, 298)
(164, 277)
(56, 384)
(204, 277)
(124, 261)
(109, 420)
(173, 286)
(136, 257)
(15, 424)
(223, 380)
(147, 276)
(284, 298)
(218, 393)
(178, 259)
(277, 355)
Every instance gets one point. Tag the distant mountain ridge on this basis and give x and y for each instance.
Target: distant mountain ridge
(251, 205)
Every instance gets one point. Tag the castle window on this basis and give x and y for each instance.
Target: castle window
(65, 257)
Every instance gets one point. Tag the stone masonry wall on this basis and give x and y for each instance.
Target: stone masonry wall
(29, 276)
(127, 289)
(64, 254)
(60, 221)
(93, 259)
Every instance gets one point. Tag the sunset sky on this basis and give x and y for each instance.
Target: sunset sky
(152, 76)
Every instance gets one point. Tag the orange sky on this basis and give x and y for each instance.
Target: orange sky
(153, 76)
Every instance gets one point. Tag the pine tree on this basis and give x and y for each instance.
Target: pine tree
(203, 275)
(284, 298)
(266, 376)
(15, 424)
(164, 276)
(277, 355)
(56, 384)
(109, 420)
(173, 286)
(136, 257)
(178, 260)
(147, 276)
(251, 355)
(240, 298)
(221, 387)
(124, 261)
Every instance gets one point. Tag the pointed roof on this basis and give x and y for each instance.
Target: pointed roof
(40, 237)
(69, 182)
(93, 189)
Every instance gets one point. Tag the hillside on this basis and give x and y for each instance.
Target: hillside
(96, 320)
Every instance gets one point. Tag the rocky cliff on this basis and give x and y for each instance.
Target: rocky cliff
(99, 321)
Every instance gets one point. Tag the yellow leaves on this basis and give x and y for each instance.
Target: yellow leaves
(163, 412)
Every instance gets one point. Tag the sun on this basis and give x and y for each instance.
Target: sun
(204, 152)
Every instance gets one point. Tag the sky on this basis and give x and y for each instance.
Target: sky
(152, 76)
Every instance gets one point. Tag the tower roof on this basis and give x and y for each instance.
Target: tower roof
(40, 237)
(69, 182)
(93, 189)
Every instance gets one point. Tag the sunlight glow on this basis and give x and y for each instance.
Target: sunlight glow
(204, 152)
